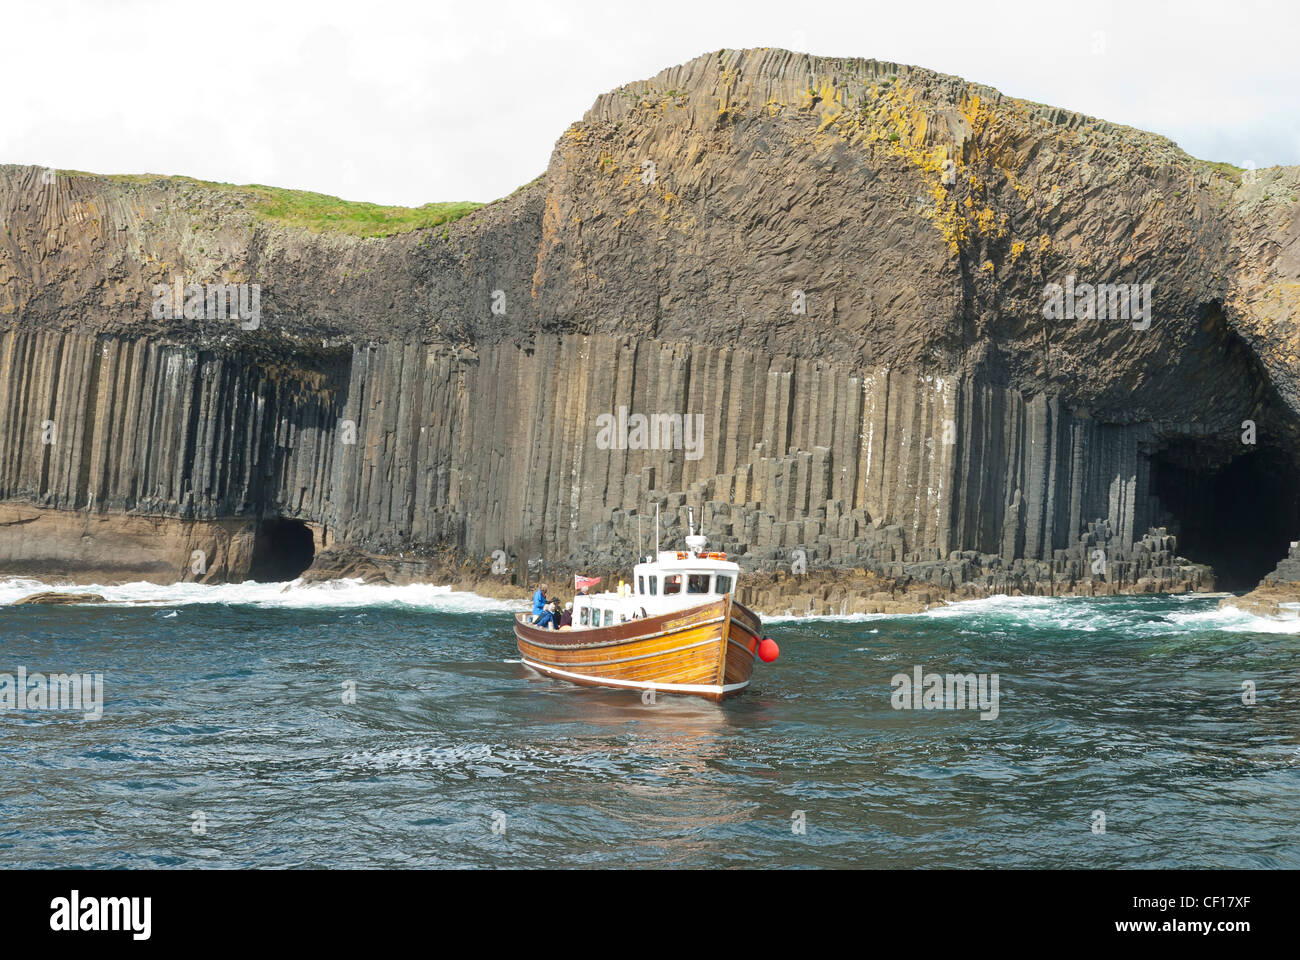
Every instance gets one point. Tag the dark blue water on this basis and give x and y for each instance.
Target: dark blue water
(453, 755)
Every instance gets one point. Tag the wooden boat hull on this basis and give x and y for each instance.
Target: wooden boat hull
(706, 651)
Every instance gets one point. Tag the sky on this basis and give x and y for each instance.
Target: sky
(409, 102)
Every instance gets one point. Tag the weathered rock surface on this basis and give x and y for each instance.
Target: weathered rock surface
(838, 264)
(54, 598)
(1278, 595)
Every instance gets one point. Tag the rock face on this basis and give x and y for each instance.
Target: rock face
(50, 598)
(834, 274)
(1279, 593)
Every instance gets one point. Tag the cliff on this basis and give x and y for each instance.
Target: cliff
(836, 271)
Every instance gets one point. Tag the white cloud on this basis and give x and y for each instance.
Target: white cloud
(410, 102)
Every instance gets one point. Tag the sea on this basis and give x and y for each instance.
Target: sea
(346, 725)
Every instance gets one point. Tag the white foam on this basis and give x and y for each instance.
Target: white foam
(1075, 613)
(1070, 613)
(1250, 623)
(1078, 614)
(832, 617)
(292, 595)
(995, 604)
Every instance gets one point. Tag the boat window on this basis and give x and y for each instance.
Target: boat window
(585, 619)
(723, 584)
(640, 584)
(697, 583)
(654, 585)
(673, 583)
(609, 618)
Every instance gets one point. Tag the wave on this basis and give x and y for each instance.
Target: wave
(292, 595)
(1132, 613)
(962, 608)
(829, 617)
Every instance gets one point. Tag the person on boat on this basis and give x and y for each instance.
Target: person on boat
(548, 621)
(566, 618)
(539, 602)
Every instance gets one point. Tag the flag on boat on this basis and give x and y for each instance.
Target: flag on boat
(581, 583)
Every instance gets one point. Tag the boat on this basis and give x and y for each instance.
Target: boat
(676, 628)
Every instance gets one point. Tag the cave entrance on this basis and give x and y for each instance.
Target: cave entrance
(282, 550)
(1239, 517)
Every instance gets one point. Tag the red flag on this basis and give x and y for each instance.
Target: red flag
(581, 582)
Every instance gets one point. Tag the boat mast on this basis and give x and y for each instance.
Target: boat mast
(656, 532)
(695, 544)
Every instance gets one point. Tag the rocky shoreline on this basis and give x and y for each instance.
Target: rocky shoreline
(788, 581)
(1278, 596)
(836, 593)
(779, 592)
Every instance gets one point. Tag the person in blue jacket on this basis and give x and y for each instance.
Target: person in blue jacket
(539, 602)
(548, 620)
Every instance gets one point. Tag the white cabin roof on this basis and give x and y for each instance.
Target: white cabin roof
(674, 560)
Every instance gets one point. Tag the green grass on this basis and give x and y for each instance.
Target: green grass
(318, 212)
(1227, 169)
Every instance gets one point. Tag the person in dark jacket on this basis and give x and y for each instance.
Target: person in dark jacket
(566, 618)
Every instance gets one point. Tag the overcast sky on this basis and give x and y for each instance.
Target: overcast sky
(404, 103)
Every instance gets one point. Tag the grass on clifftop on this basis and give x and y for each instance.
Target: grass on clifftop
(318, 212)
(1227, 169)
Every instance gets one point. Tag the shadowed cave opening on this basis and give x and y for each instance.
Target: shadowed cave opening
(1238, 516)
(282, 550)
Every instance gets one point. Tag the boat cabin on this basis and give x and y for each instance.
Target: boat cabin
(669, 581)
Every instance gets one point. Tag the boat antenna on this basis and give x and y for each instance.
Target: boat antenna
(638, 537)
(656, 530)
